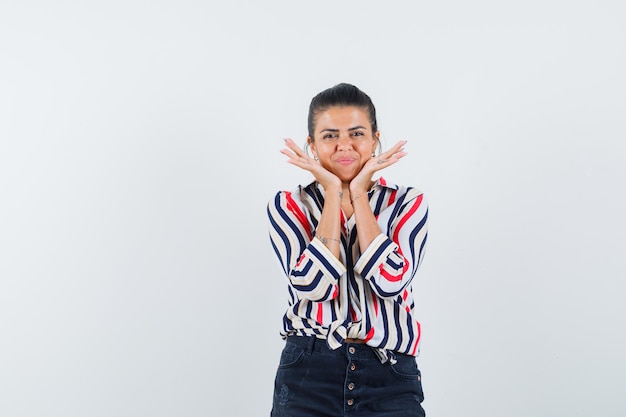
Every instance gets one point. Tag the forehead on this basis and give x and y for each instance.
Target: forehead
(342, 117)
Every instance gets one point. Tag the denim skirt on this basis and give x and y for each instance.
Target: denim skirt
(314, 381)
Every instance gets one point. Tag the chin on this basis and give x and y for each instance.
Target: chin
(346, 179)
(345, 175)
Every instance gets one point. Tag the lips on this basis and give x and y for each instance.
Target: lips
(345, 159)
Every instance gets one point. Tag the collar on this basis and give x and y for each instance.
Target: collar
(378, 184)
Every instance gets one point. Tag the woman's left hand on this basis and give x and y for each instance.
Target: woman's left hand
(361, 183)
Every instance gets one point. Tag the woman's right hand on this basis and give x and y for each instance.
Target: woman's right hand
(299, 158)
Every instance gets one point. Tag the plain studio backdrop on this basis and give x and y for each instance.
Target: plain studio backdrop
(139, 146)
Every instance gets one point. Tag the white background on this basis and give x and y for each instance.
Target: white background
(139, 147)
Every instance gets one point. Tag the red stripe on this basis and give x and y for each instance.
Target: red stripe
(392, 197)
(417, 340)
(370, 334)
(375, 299)
(293, 207)
(407, 216)
(320, 313)
(393, 278)
(300, 260)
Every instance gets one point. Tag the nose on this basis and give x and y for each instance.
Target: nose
(344, 141)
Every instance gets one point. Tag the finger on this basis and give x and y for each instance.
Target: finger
(290, 144)
(294, 147)
(397, 148)
(288, 153)
(388, 158)
(304, 162)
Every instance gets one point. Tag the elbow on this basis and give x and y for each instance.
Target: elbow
(388, 292)
(317, 287)
(319, 294)
(389, 282)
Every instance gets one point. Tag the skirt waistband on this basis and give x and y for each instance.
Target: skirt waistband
(313, 344)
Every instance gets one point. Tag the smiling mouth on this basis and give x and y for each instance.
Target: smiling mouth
(346, 161)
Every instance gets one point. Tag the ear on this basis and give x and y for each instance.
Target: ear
(311, 145)
(376, 143)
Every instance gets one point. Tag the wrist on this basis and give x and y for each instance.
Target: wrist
(325, 240)
(355, 195)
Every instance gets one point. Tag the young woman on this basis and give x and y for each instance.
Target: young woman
(349, 247)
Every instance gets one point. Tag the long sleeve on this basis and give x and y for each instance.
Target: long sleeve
(390, 262)
(363, 293)
(312, 270)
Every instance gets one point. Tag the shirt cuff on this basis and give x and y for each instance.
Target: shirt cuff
(374, 250)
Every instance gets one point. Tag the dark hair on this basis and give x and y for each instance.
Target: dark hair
(341, 95)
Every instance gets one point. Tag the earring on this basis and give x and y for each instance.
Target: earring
(373, 155)
(316, 158)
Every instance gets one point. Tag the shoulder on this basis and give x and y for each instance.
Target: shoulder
(413, 197)
(404, 192)
(296, 195)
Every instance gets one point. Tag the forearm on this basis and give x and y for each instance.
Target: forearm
(392, 258)
(366, 223)
(329, 226)
(308, 264)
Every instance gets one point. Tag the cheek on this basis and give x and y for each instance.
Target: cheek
(315, 150)
(367, 148)
(323, 150)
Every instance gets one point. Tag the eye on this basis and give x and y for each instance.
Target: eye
(357, 133)
(329, 136)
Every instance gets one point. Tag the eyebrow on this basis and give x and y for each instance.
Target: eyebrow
(337, 130)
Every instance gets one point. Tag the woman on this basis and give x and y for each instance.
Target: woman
(349, 247)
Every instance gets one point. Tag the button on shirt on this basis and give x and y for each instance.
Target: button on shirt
(366, 294)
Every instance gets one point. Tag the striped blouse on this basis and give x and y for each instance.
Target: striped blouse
(365, 294)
